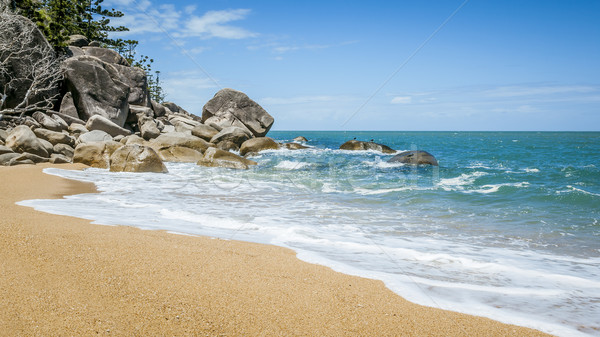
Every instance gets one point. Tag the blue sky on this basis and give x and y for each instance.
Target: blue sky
(347, 65)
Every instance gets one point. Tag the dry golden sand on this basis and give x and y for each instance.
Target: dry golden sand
(64, 276)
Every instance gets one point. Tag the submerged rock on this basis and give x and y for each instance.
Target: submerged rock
(294, 146)
(300, 139)
(414, 158)
(357, 145)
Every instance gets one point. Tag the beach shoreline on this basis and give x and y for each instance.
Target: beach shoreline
(64, 275)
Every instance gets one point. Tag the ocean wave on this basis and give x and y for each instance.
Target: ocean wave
(291, 165)
(485, 189)
(460, 182)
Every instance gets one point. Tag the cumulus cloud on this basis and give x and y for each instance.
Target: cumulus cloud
(214, 24)
(142, 16)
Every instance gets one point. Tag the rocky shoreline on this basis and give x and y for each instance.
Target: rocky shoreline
(102, 115)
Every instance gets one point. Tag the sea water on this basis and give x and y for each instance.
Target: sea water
(506, 227)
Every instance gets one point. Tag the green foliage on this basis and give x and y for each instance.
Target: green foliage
(60, 18)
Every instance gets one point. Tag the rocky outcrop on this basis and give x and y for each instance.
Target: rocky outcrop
(98, 122)
(148, 127)
(48, 122)
(204, 131)
(300, 139)
(67, 107)
(4, 149)
(94, 136)
(214, 157)
(22, 139)
(95, 90)
(95, 154)
(180, 154)
(231, 108)
(414, 158)
(136, 158)
(54, 137)
(255, 145)
(78, 41)
(357, 145)
(106, 55)
(179, 139)
(295, 146)
(64, 150)
(231, 134)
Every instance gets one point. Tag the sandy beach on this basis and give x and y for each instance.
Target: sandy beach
(65, 276)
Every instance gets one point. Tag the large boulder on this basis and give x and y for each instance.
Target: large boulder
(22, 139)
(232, 134)
(48, 122)
(300, 139)
(136, 79)
(47, 145)
(295, 146)
(148, 127)
(357, 145)
(67, 106)
(77, 129)
(255, 145)
(64, 150)
(56, 158)
(234, 106)
(95, 154)
(414, 158)
(179, 139)
(136, 158)
(214, 157)
(33, 157)
(98, 122)
(180, 154)
(159, 109)
(95, 89)
(94, 136)
(3, 135)
(78, 41)
(4, 149)
(204, 131)
(54, 137)
(106, 55)
(6, 159)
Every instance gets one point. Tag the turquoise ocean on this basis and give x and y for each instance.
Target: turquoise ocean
(506, 227)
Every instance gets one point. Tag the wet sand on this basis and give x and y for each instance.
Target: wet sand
(64, 276)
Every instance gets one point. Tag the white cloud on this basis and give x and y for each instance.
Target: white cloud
(213, 24)
(143, 16)
(189, 9)
(401, 100)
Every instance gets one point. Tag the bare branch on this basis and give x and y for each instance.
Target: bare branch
(29, 69)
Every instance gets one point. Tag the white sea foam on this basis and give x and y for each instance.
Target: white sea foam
(291, 165)
(460, 182)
